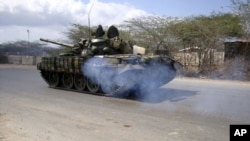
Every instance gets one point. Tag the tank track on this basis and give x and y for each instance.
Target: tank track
(70, 82)
(65, 81)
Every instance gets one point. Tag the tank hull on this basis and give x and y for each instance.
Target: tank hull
(109, 75)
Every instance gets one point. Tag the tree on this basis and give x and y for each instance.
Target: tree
(242, 8)
(77, 31)
(151, 32)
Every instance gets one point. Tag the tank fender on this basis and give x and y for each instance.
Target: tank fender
(129, 67)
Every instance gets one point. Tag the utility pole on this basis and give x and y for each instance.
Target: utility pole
(28, 31)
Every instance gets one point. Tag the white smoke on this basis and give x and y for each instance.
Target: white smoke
(137, 79)
(233, 69)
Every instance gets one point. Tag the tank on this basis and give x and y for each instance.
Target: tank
(106, 66)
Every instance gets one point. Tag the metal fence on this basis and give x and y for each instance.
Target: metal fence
(192, 58)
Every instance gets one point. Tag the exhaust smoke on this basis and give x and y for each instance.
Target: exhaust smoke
(122, 80)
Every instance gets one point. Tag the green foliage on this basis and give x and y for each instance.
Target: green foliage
(77, 31)
(151, 31)
(124, 32)
(206, 31)
(227, 25)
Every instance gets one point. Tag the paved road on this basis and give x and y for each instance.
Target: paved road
(183, 110)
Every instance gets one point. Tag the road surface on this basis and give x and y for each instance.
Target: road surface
(183, 110)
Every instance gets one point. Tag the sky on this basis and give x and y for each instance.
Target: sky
(31, 19)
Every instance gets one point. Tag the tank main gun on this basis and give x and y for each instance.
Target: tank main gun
(58, 43)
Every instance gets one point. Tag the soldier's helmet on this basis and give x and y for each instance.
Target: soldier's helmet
(99, 31)
(112, 32)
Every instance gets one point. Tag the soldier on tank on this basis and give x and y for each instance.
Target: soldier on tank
(112, 45)
(117, 43)
(99, 32)
(98, 43)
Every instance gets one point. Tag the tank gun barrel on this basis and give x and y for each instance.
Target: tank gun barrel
(58, 43)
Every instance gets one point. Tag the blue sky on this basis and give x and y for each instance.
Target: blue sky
(178, 8)
(50, 18)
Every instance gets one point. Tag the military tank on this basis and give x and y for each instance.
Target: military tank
(106, 66)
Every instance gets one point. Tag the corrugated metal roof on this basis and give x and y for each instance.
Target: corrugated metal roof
(236, 40)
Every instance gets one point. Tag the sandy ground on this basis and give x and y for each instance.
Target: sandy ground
(185, 109)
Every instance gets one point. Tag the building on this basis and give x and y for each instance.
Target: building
(237, 48)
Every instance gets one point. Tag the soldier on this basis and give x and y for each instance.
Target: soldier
(99, 32)
(117, 43)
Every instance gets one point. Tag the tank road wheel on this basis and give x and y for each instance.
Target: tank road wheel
(80, 82)
(68, 81)
(92, 86)
(53, 79)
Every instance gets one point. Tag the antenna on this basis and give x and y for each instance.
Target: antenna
(89, 19)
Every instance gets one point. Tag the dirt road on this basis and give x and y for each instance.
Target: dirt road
(183, 110)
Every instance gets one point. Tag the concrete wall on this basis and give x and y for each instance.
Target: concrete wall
(28, 60)
(24, 60)
(14, 59)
